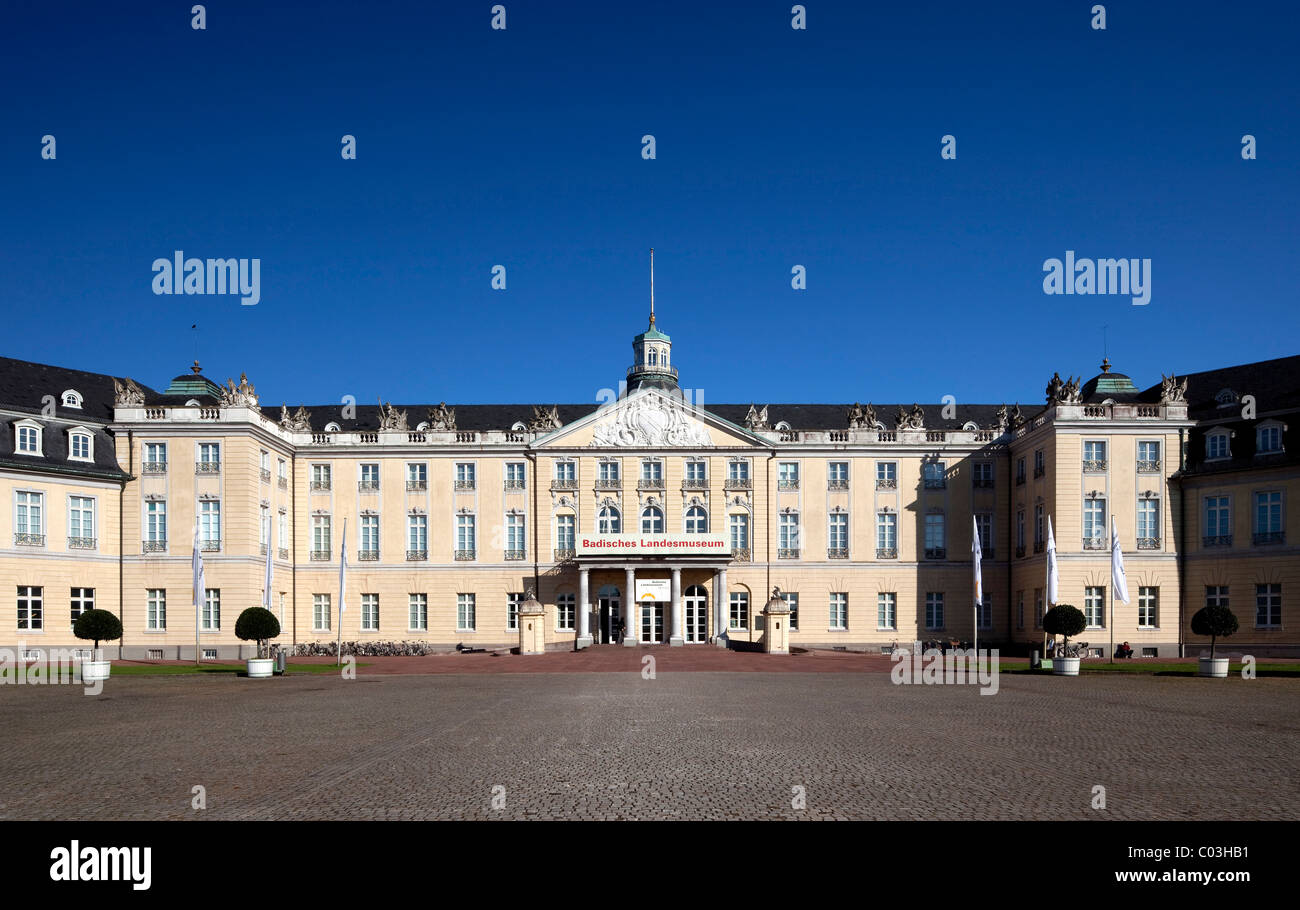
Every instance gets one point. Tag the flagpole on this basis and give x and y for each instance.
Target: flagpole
(343, 567)
(1047, 587)
(1114, 542)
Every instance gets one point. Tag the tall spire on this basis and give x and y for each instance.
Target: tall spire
(652, 287)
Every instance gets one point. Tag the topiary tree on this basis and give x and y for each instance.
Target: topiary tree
(97, 626)
(257, 624)
(1065, 620)
(1215, 621)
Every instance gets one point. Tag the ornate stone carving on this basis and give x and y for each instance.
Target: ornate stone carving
(1171, 390)
(650, 420)
(1063, 391)
(544, 419)
(239, 396)
(756, 419)
(390, 418)
(1016, 417)
(861, 418)
(298, 422)
(1000, 420)
(126, 394)
(442, 417)
(910, 420)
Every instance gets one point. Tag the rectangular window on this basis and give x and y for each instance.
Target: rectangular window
(984, 526)
(464, 475)
(885, 611)
(155, 453)
(984, 613)
(320, 477)
(1020, 609)
(565, 532)
(887, 534)
(465, 537)
(282, 471)
(935, 537)
(417, 535)
(838, 534)
(1218, 521)
(155, 522)
(512, 611)
(210, 524)
(738, 470)
(81, 600)
(1020, 533)
(30, 513)
(983, 475)
(789, 535)
(1148, 455)
(566, 471)
(935, 475)
(1094, 455)
(1094, 607)
(515, 475)
(81, 521)
(837, 473)
(155, 600)
(1094, 524)
(739, 525)
(934, 610)
(652, 470)
(1020, 471)
(792, 601)
(839, 611)
(1268, 439)
(1268, 606)
(1216, 446)
(515, 538)
(1216, 595)
(1148, 524)
(739, 618)
(210, 454)
(211, 619)
(369, 612)
(696, 472)
(80, 447)
(1268, 517)
(417, 476)
(282, 532)
(31, 608)
(1040, 528)
(1148, 608)
(1040, 463)
(320, 612)
(465, 618)
(370, 536)
(369, 476)
(788, 475)
(418, 613)
(609, 472)
(886, 475)
(320, 535)
(565, 612)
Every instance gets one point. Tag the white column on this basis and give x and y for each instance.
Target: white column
(631, 638)
(724, 609)
(584, 609)
(677, 640)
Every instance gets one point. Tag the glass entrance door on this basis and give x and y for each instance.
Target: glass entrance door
(652, 622)
(609, 602)
(697, 605)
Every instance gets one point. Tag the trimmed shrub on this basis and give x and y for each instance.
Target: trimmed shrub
(1215, 621)
(257, 624)
(97, 626)
(1065, 620)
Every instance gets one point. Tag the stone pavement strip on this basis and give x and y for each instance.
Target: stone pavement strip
(685, 745)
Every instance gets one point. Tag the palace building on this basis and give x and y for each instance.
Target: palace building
(648, 519)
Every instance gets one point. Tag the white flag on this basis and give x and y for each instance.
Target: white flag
(343, 572)
(266, 595)
(196, 564)
(977, 555)
(1117, 576)
(1053, 570)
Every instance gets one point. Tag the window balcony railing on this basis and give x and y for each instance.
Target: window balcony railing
(81, 543)
(265, 475)
(29, 540)
(936, 552)
(367, 556)
(790, 483)
(936, 483)
(837, 552)
(886, 483)
(1149, 467)
(1148, 543)
(695, 483)
(1020, 480)
(1094, 543)
(153, 467)
(514, 555)
(1217, 540)
(367, 486)
(465, 555)
(983, 483)
(1038, 546)
(320, 555)
(282, 553)
(740, 554)
(417, 555)
(563, 553)
(565, 483)
(837, 483)
(514, 484)
(417, 486)
(320, 486)
(207, 467)
(650, 483)
(787, 553)
(282, 483)
(1095, 466)
(886, 552)
(153, 546)
(211, 545)
(1265, 538)
(738, 483)
(465, 486)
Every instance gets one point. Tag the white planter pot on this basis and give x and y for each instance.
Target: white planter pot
(96, 670)
(261, 668)
(1218, 667)
(1065, 666)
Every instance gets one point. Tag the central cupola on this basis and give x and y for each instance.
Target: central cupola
(653, 351)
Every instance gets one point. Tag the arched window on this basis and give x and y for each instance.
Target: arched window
(72, 399)
(697, 520)
(654, 357)
(652, 520)
(610, 522)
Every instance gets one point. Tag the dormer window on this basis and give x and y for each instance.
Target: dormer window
(331, 428)
(1268, 438)
(27, 440)
(1217, 445)
(72, 399)
(80, 445)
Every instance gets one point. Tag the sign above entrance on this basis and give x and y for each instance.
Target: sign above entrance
(656, 589)
(654, 545)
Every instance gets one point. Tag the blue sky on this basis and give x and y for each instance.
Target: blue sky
(522, 147)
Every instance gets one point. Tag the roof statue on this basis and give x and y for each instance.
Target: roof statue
(1063, 391)
(1171, 390)
(126, 394)
(239, 396)
(861, 418)
(390, 418)
(544, 419)
(1016, 417)
(913, 419)
(756, 419)
(442, 417)
(1000, 420)
(299, 422)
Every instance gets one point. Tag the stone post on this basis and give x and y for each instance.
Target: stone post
(776, 634)
(532, 626)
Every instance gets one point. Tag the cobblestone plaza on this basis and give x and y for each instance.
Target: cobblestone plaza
(687, 744)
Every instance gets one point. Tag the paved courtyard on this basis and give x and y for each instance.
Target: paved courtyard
(685, 745)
